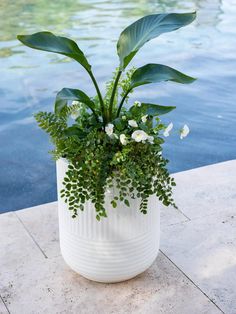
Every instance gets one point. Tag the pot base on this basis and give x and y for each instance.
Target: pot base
(114, 279)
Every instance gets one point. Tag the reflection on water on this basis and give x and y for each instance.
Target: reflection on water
(30, 79)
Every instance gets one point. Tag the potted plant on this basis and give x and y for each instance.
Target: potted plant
(111, 173)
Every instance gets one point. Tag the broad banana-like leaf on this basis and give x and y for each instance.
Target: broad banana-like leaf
(152, 109)
(47, 41)
(74, 131)
(71, 94)
(153, 73)
(60, 104)
(147, 28)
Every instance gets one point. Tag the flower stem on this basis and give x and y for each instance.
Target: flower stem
(113, 94)
(99, 97)
(122, 102)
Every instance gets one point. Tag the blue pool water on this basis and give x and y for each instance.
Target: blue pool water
(29, 80)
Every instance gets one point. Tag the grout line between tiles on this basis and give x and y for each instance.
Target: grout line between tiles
(193, 283)
(174, 224)
(4, 304)
(188, 219)
(224, 216)
(29, 233)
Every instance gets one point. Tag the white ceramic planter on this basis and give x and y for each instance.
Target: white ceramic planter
(115, 249)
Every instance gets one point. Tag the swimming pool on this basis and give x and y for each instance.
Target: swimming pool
(30, 79)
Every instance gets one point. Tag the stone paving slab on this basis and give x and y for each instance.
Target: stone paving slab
(51, 287)
(3, 309)
(171, 216)
(196, 273)
(206, 190)
(205, 250)
(42, 223)
(16, 245)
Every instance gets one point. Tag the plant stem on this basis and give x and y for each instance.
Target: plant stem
(95, 115)
(113, 94)
(99, 96)
(122, 102)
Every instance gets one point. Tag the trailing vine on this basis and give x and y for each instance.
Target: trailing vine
(98, 162)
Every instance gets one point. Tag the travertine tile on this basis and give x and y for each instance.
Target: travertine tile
(51, 287)
(205, 250)
(206, 190)
(171, 216)
(3, 309)
(42, 223)
(16, 246)
(17, 252)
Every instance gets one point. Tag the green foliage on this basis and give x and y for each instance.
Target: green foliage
(107, 145)
(98, 161)
(154, 73)
(147, 28)
(51, 124)
(151, 109)
(124, 83)
(72, 94)
(109, 90)
(47, 41)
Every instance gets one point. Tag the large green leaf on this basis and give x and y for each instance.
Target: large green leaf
(60, 104)
(153, 73)
(75, 131)
(47, 41)
(151, 109)
(72, 94)
(147, 28)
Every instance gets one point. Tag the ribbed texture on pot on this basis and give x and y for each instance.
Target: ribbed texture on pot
(115, 249)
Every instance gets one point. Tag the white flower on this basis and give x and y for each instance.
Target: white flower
(109, 129)
(168, 129)
(123, 139)
(144, 118)
(184, 131)
(133, 123)
(75, 103)
(139, 136)
(76, 111)
(150, 139)
(123, 118)
(137, 103)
